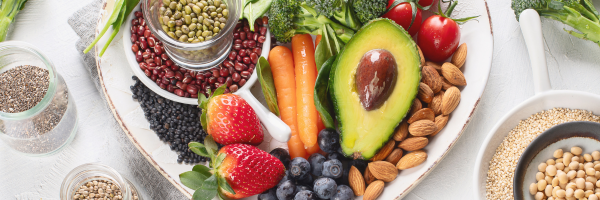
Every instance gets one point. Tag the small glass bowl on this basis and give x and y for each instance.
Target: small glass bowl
(199, 56)
(93, 172)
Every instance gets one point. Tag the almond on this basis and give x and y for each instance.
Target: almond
(453, 74)
(422, 128)
(414, 143)
(446, 84)
(450, 100)
(432, 78)
(460, 55)
(401, 132)
(412, 159)
(436, 103)
(436, 66)
(395, 156)
(416, 106)
(440, 121)
(425, 93)
(383, 170)
(357, 182)
(421, 55)
(424, 113)
(369, 178)
(374, 190)
(384, 151)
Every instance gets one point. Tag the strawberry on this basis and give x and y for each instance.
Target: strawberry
(229, 119)
(238, 171)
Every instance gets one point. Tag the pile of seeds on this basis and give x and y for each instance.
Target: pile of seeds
(175, 123)
(499, 184)
(193, 21)
(101, 189)
(22, 87)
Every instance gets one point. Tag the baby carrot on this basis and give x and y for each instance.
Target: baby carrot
(306, 75)
(317, 40)
(282, 67)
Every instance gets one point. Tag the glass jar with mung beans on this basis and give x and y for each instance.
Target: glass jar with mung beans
(193, 21)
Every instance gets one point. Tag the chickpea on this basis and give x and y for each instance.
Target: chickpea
(569, 192)
(559, 165)
(551, 170)
(542, 167)
(596, 155)
(533, 189)
(571, 174)
(587, 157)
(593, 197)
(591, 179)
(589, 186)
(548, 190)
(580, 183)
(539, 176)
(550, 162)
(541, 185)
(558, 153)
(561, 193)
(574, 165)
(590, 172)
(555, 181)
(578, 193)
(562, 177)
(540, 196)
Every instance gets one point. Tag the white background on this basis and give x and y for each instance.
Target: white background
(573, 65)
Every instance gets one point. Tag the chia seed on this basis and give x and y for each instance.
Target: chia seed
(22, 87)
(174, 123)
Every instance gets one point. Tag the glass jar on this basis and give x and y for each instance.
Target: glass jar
(199, 56)
(51, 124)
(96, 172)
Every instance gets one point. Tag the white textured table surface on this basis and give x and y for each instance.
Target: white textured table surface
(573, 65)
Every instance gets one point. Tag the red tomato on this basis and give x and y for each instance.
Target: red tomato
(438, 38)
(426, 3)
(402, 15)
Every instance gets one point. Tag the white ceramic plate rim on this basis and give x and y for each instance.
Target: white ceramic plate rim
(418, 174)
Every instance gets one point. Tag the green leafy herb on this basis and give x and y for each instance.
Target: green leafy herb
(255, 9)
(322, 100)
(267, 84)
(192, 179)
(329, 46)
(8, 10)
(122, 9)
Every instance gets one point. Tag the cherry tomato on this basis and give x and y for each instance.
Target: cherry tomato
(426, 3)
(402, 15)
(438, 38)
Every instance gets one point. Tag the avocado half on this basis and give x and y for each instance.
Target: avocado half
(362, 132)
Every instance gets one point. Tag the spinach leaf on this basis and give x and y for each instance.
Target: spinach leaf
(267, 84)
(322, 100)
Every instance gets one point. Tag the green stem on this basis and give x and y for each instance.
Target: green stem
(450, 8)
(4, 25)
(589, 30)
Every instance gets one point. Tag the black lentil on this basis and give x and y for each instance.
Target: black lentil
(175, 123)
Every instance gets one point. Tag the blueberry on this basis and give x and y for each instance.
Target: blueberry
(299, 168)
(270, 194)
(308, 180)
(305, 195)
(329, 140)
(335, 155)
(303, 187)
(286, 191)
(325, 188)
(316, 163)
(343, 193)
(344, 179)
(333, 168)
(282, 155)
(361, 165)
(285, 178)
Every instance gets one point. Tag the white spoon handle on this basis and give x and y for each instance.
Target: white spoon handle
(277, 128)
(531, 28)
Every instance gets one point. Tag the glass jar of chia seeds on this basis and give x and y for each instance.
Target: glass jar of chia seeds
(94, 180)
(37, 112)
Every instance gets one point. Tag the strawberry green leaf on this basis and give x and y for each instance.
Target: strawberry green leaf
(204, 120)
(221, 196)
(267, 84)
(192, 179)
(210, 183)
(200, 151)
(223, 184)
(201, 194)
(211, 146)
(202, 101)
(219, 160)
(202, 169)
(219, 90)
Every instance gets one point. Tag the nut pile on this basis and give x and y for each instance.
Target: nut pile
(438, 96)
(101, 189)
(234, 71)
(570, 175)
(502, 166)
(193, 21)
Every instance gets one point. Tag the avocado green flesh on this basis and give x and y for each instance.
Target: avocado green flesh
(364, 132)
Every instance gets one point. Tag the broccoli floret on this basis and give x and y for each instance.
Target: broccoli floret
(579, 14)
(340, 10)
(290, 17)
(366, 10)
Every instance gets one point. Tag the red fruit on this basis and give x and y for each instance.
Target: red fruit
(249, 170)
(402, 15)
(231, 120)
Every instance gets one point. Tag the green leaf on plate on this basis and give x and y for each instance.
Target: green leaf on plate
(321, 96)
(255, 9)
(202, 169)
(223, 184)
(267, 84)
(210, 183)
(192, 179)
(201, 194)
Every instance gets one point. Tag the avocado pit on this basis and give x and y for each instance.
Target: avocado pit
(375, 78)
